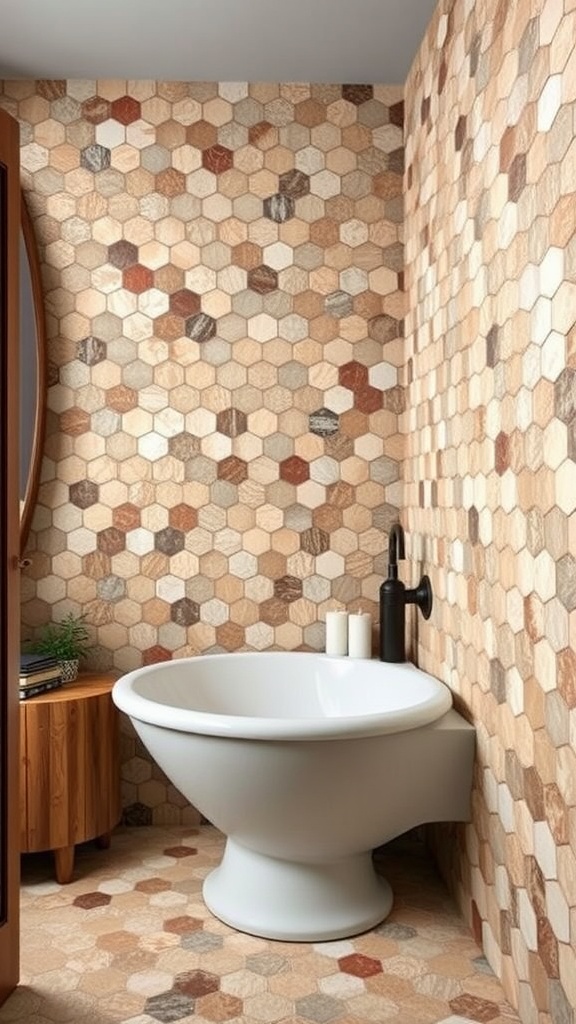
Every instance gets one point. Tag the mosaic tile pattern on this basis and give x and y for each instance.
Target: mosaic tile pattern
(175, 412)
(490, 476)
(223, 270)
(130, 940)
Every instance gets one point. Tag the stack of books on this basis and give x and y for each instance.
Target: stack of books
(38, 673)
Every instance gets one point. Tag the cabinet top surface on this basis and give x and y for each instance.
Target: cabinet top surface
(88, 684)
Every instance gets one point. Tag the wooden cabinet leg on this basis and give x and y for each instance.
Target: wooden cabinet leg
(64, 864)
(70, 770)
(103, 841)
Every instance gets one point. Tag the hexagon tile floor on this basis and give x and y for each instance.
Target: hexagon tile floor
(131, 941)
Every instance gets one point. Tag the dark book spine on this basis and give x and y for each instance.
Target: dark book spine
(35, 691)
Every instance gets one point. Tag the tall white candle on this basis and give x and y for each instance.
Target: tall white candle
(360, 635)
(336, 632)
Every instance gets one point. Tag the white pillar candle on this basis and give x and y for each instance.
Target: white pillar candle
(336, 632)
(360, 635)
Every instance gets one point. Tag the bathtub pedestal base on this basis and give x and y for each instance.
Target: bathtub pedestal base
(294, 901)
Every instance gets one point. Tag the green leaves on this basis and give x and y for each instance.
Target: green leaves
(67, 640)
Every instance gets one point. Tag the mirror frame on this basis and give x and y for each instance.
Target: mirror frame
(29, 501)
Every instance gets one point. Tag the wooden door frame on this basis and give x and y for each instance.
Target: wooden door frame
(9, 555)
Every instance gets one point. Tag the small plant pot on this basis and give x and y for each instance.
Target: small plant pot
(69, 670)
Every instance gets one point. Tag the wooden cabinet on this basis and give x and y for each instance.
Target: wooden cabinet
(70, 777)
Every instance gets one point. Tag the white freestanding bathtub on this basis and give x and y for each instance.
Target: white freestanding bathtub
(306, 763)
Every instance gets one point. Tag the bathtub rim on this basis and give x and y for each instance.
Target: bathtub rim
(165, 716)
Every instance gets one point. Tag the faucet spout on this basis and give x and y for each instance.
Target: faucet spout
(396, 549)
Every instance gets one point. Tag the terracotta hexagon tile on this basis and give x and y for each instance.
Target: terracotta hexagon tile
(125, 109)
(155, 653)
(217, 158)
(90, 900)
(294, 470)
(475, 1008)
(360, 966)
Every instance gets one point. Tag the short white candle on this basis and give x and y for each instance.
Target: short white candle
(336, 632)
(360, 635)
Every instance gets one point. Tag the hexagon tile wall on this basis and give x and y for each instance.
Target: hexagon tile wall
(223, 273)
(223, 279)
(490, 474)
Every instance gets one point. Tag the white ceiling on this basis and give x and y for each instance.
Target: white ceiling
(343, 41)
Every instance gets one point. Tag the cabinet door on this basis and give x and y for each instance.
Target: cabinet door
(9, 554)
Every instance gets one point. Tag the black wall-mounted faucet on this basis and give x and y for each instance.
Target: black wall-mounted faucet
(394, 597)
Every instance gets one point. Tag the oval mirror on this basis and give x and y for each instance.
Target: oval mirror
(32, 373)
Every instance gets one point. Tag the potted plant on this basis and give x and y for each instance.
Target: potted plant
(67, 640)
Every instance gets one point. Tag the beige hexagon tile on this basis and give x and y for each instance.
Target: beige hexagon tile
(490, 454)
